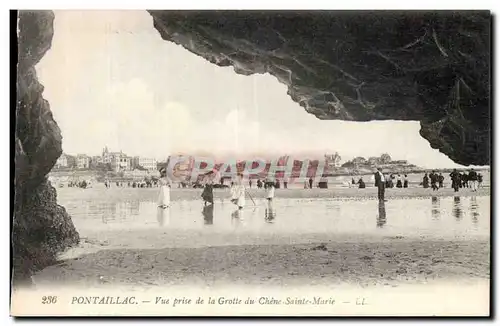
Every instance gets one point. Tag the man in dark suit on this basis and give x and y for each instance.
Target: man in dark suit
(380, 184)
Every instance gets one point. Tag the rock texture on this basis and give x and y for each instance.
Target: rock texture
(432, 67)
(41, 228)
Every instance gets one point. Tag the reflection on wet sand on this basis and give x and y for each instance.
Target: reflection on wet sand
(296, 216)
(457, 208)
(236, 217)
(435, 208)
(163, 216)
(381, 218)
(114, 211)
(270, 214)
(474, 209)
(208, 214)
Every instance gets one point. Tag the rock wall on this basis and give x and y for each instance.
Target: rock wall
(431, 67)
(41, 228)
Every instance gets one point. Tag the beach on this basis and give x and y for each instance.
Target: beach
(338, 236)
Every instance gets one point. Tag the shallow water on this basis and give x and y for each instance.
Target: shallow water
(436, 217)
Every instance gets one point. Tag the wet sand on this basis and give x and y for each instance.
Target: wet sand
(387, 262)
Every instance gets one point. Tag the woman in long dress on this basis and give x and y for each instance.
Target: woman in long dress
(164, 195)
(208, 192)
(425, 181)
(238, 192)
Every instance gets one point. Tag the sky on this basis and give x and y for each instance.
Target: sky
(111, 80)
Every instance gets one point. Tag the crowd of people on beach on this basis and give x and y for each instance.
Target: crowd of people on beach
(471, 180)
(238, 189)
(84, 184)
(146, 183)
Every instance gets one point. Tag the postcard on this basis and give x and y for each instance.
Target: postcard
(252, 163)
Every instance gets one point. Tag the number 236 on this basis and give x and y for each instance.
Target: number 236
(49, 299)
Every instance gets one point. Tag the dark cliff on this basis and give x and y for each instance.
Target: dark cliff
(41, 228)
(431, 67)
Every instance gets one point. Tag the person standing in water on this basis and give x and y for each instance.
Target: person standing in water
(434, 180)
(238, 192)
(405, 181)
(164, 195)
(455, 180)
(479, 180)
(399, 184)
(208, 191)
(441, 180)
(380, 184)
(425, 181)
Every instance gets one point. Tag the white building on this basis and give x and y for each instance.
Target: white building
(83, 161)
(120, 162)
(149, 164)
(62, 161)
(332, 160)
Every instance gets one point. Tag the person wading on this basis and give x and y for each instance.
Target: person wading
(405, 181)
(399, 184)
(455, 180)
(208, 191)
(425, 181)
(434, 180)
(441, 180)
(238, 192)
(380, 184)
(164, 195)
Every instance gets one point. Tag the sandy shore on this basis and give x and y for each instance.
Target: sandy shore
(389, 262)
(195, 194)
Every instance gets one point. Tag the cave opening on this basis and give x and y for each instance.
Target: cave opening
(110, 87)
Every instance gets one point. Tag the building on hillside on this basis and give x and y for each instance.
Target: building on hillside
(332, 160)
(83, 161)
(107, 156)
(149, 164)
(62, 162)
(120, 162)
(374, 160)
(134, 163)
(359, 160)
